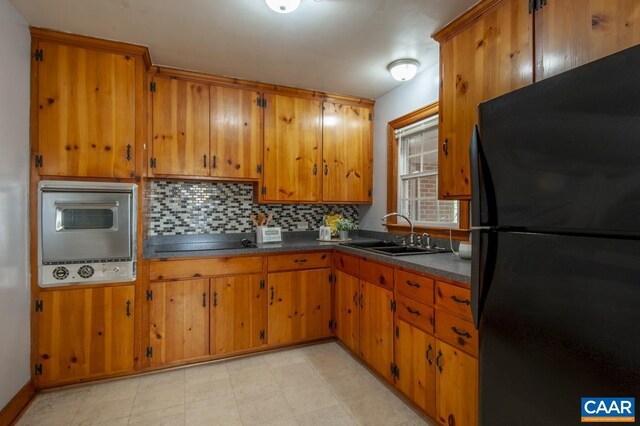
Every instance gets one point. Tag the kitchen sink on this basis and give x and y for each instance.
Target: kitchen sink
(204, 246)
(391, 248)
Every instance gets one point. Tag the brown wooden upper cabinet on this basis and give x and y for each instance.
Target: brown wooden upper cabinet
(482, 55)
(86, 110)
(292, 149)
(598, 28)
(347, 153)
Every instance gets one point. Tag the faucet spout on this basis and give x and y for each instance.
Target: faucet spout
(411, 233)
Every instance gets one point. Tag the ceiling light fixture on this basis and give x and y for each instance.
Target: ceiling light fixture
(283, 6)
(403, 69)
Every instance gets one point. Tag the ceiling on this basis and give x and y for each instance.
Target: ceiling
(340, 46)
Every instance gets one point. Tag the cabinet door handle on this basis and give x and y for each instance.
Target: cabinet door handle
(129, 152)
(461, 301)
(445, 147)
(273, 294)
(204, 161)
(204, 300)
(429, 352)
(413, 311)
(438, 361)
(355, 298)
(326, 169)
(460, 333)
(215, 299)
(214, 162)
(128, 308)
(315, 169)
(413, 284)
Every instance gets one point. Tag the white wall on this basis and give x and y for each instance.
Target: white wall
(14, 185)
(414, 94)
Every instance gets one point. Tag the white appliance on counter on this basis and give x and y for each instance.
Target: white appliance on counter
(265, 234)
(86, 232)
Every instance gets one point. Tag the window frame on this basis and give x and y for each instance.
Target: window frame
(461, 233)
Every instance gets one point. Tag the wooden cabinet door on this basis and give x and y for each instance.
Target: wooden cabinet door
(238, 309)
(490, 57)
(180, 128)
(347, 153)
(236, 133)
(299, 305)
(376, 327)
(347, 293)
(85, 333)
(179, 318)
(415, 357)
(292, 149)
(456, 386)
(598, 28)
(86, 112)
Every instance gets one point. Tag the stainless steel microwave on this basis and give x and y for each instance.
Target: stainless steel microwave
(87, 232)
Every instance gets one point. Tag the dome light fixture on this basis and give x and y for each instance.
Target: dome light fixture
(403, 69)
(283, 6)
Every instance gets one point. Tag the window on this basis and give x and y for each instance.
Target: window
(418, 176)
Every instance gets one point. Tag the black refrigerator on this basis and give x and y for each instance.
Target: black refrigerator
(556, 244)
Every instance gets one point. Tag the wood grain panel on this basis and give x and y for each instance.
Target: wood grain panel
(376, 327)
(417, 287)
(456, 386)
(345, 263)
(10, 412)
(286, 262)
(299, 305)
(456, 300)
(85, 333)
(598, 28)
(292, 149)
(376, 273)
(457, 332)
(415, 354)
(238, 306)
(86, 112)
(493, 55)
(415, 313)
(209, 267)
(347, 150)
(347, 307)
(236, 133)
(180, 143)
(179, 316)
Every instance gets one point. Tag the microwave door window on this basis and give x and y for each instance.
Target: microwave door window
(86, 219)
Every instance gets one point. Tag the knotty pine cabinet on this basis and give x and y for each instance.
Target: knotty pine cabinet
(489, 56)
(85, 124)
(376, 327)
(347, 308)
(456, 386)
(84, 333)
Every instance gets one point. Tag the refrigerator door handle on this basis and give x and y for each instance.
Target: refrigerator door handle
(483, 258)
(483, 210)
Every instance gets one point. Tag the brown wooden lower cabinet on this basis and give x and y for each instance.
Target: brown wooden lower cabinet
(376, 327)
(456, 386)
(84, 333)
(299, 305)
(238, 308)
(179, 316)
(347, 308)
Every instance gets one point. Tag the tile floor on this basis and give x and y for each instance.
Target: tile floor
(312, 385)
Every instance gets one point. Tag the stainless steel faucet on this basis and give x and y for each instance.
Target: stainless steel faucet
(411, 233)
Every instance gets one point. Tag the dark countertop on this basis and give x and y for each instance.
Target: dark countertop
(444, 265)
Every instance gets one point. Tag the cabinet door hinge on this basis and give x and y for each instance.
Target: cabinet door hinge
(393, 306)
(332, 325)
(259, 168)
(38, 160)
(262, 335)
(264, 190)
(370, 117)
(37, 370)
(38, 55)
(39, 305)
(149, 295)
(395, 371)
(153, 163)
(397, 332)
(330, 278)
(370, 193)
(262, 102)
(262, 283)
(152, 86)
(149, 352)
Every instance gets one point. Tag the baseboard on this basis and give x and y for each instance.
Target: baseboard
(18, 403)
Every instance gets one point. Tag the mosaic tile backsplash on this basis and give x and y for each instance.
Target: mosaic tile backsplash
(180, 208)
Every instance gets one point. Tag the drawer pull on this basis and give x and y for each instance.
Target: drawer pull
(413, 284)
(438, 361)
(463, 302)
(460, 333)
(300, 261)
(413, 311)
(429, 352)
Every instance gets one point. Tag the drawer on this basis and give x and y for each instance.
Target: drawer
(345, 263)
(456, 300)
(288, 262)
(415, 313)
(415, 286)
(457, 332)
(196, 268)
(376, 273)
